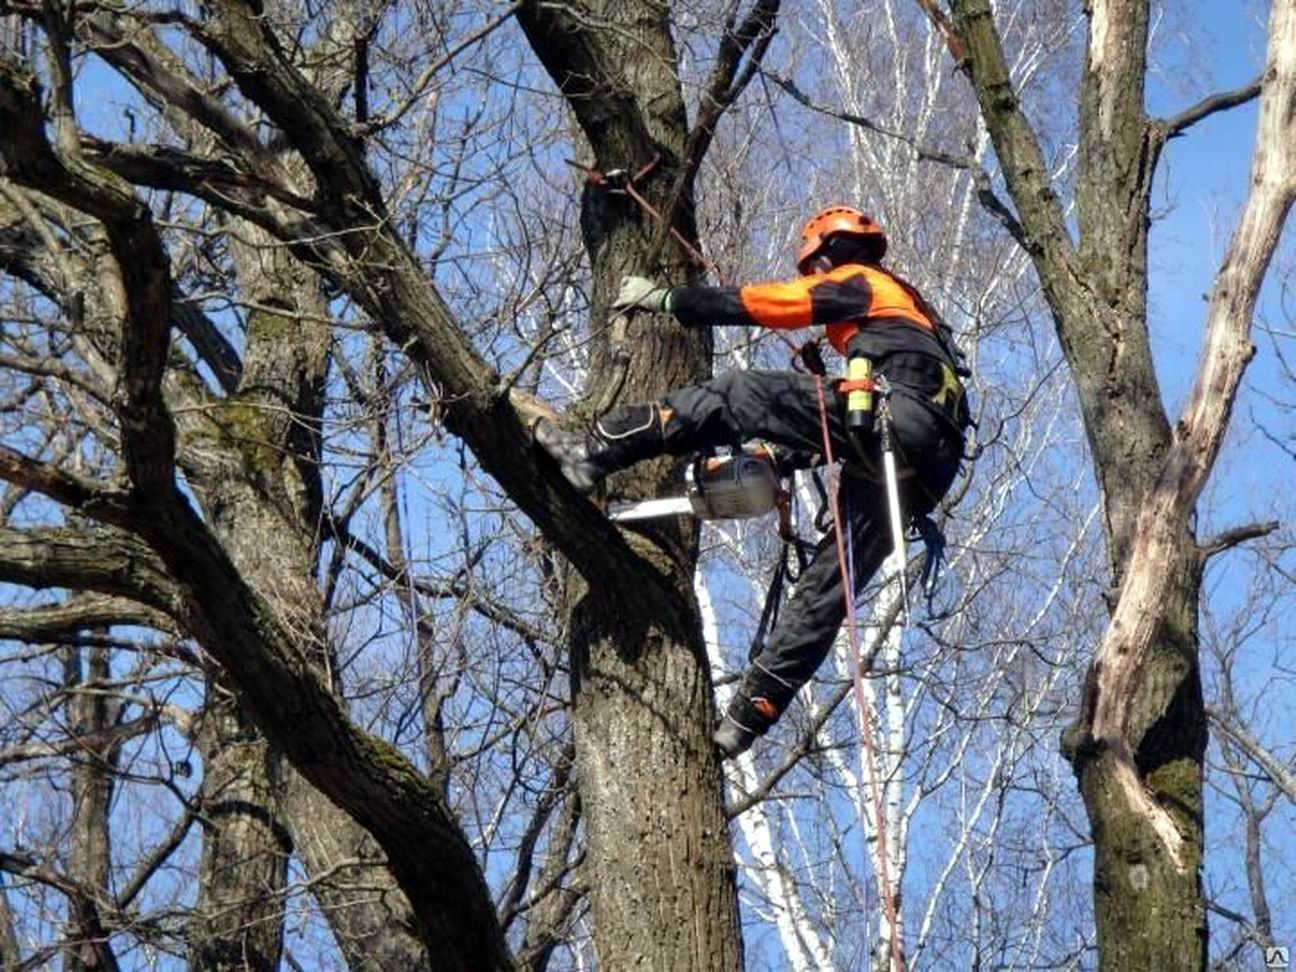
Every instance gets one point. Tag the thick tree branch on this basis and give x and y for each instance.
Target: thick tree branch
(166, 167)
(1222, 101)
(1043, 231)
(103, 560)
(76, 492)
(243, 38)
(1201, 426)
(361, 254)
(53, 621)
(1232, 538)
(364, 256)
(212, 346)
(148, 440)
(134, 50)
(281, 689)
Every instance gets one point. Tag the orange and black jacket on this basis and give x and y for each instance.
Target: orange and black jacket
(862, 307)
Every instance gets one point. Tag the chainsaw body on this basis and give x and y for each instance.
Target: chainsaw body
(733, 487)
(736, 487)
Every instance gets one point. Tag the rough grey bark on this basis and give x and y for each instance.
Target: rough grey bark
(259, 474)
(1138, 745)
(243, 629)
(669, 899)
(650, 789)
(237, 920)
(368, 914)
(90, 852)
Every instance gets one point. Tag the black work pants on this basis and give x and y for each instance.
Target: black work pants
(782, 407)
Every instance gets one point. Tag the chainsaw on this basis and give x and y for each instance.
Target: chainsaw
(739, 486)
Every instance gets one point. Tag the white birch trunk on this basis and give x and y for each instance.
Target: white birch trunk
(804, 949)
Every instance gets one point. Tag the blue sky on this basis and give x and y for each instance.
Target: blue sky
(1201, 183)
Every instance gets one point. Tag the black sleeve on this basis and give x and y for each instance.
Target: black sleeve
(709, 307)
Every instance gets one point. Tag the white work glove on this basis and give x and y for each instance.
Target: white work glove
(644, 294)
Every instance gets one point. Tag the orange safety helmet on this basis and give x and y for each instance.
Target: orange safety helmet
(838, 221)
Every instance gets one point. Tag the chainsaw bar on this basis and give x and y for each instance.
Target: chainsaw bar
(648, 509)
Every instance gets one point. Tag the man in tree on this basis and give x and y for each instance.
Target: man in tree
(868, 312)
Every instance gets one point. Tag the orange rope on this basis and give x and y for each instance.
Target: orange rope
(865, 715)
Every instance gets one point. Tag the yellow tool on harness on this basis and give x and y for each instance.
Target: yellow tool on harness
(858, 387)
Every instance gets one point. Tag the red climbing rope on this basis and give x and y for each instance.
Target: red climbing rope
(865, 714)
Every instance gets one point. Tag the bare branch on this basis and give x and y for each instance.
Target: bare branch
(419, 88)
(148, 433)
(93, 919)
(93, 742)
(52, 621)
(156, 859)
(1283, 777)
(946, 29)
(1232, 538)
(557, 791)
(453, 589)
(723, 87)
(1209, 106)
(980, 177)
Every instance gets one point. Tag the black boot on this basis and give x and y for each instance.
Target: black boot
(757, 705)
(622, 437)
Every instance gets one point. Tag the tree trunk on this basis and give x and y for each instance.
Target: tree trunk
(90, 861)
(663, 891)
(1149, 909)
(265, 509)
(237, 921)
(368, 914)
(1138, 745)
(664, 895)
